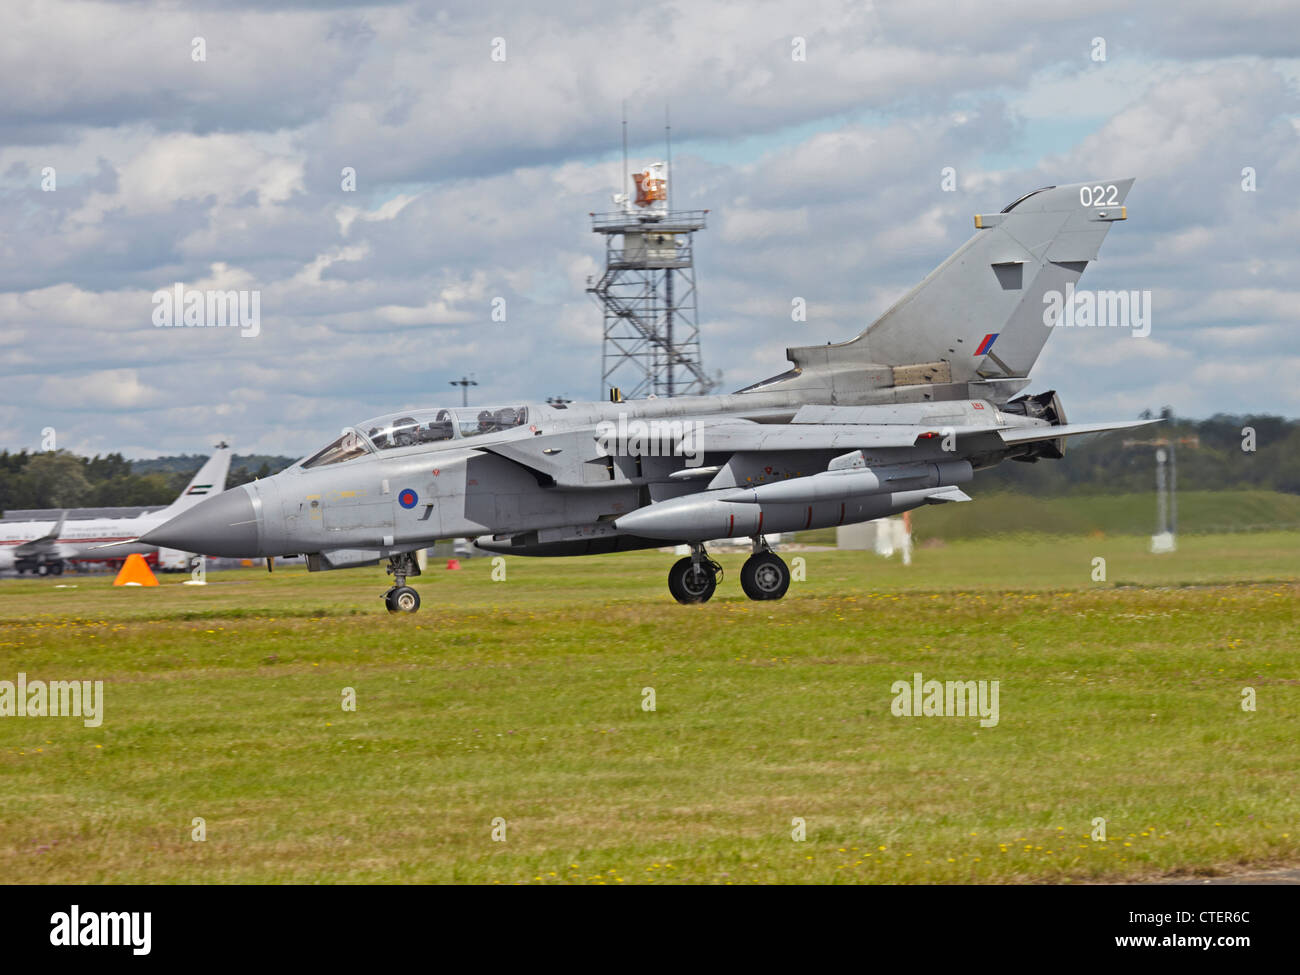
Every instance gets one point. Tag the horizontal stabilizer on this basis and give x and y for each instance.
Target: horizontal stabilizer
(1011, 435)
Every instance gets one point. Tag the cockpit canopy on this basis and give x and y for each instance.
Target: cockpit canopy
(416, 427)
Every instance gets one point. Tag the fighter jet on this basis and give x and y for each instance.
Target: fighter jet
(896, 418)
(42, 547)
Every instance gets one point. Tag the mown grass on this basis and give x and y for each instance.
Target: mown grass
(997, 513)
(523, 699)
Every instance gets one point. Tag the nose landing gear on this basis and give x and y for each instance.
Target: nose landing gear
(402, 598)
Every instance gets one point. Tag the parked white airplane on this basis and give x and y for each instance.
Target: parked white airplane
(43, 546)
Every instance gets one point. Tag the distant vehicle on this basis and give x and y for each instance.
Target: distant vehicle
(894, 419)
(44, 547)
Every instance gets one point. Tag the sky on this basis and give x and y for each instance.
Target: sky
(144, 144)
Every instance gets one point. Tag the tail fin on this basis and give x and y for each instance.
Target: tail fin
(57, 530)
(978, 317)
(210, 480)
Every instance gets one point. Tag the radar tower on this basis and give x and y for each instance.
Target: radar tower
(651, 343)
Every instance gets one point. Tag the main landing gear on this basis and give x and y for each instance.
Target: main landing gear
(402, 598)
(695, 578)
(40, 568)
(764, 574)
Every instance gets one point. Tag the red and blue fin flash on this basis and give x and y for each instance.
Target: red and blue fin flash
(987, 343)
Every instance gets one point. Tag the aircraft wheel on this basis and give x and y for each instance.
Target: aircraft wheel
(690, 583)
(42, 569)
(57, 568)
(402, 599)
(765, 576)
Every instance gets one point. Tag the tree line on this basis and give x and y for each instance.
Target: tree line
(60, 479)
(1224, 452)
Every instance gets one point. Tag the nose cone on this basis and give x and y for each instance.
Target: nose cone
(222, 525)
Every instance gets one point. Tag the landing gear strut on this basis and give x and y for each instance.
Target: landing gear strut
(402, 598)
(694, 578)
(764, 574)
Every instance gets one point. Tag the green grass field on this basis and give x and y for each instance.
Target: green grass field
(522, 699)
(995, 514)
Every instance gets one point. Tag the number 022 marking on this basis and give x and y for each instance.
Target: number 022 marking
(1099, 196)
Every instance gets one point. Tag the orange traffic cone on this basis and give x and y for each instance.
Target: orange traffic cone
(453, 563)
(135, 572)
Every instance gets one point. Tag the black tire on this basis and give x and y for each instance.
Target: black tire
(402, 599)
(691, 585)
(765, 576)
(57, 568)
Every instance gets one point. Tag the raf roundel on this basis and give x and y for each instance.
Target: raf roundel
(408, 498)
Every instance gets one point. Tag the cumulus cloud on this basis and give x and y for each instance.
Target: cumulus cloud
(474, 178)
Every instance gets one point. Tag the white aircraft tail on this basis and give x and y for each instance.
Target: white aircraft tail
(210, 480)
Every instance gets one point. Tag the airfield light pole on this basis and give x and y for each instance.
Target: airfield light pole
(464, 382)
(1166, 487)
(1162, 492)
